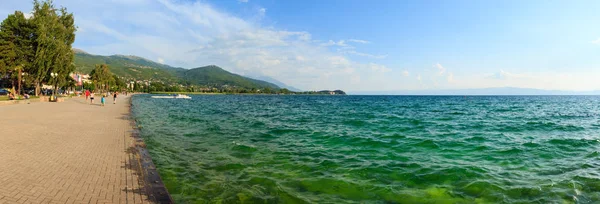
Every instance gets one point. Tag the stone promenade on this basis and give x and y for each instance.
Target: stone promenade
(69, 152)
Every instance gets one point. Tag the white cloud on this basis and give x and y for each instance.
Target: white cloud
(345, 48)
(161, 60)
(450, 77)
(503, 75)
(359, 41)
(366, 54)
(341, 43)
(243, 1)
(419, 77)
(405, 73)
(195, 34)
(379, 68)
(597, 41)
(440, 68)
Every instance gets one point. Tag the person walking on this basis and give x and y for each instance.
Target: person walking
(115, 97)
(87, 94)
(92, 98)
(102, 99)
(26, 97)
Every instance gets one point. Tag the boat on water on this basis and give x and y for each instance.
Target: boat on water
(175, 96)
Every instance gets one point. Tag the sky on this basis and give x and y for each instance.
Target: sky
(355, 45)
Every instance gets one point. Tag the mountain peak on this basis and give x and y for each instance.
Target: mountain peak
(131, 57)
(79, 51)
(212, 66)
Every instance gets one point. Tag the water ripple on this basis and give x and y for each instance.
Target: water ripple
(375, 149)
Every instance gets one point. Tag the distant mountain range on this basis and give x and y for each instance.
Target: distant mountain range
(276, 82)
(483, 91)
(139, 68)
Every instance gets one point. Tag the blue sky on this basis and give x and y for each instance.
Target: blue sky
(355, 45)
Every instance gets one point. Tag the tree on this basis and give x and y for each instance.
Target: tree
(118, 84)
(89, 86)
(137, 87)
(284, 91)
(101, 76)
(16, 50)
(54, 35)
(69, 83)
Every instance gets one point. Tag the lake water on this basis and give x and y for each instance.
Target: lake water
(375, 149)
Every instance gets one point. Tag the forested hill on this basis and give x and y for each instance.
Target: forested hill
(138, 68)
(213, 75)
(127, 66)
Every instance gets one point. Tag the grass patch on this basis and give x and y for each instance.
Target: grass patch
(5, 98)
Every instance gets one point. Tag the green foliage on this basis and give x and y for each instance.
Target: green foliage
(36, 47)
(89, 86)
(137, 87)
(127, 67)
(119, 84)
(137, 68)
(16, 49)
(55, 34)
(102, 77)
(39, 51)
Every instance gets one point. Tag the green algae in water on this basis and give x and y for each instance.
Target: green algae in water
(375, 149)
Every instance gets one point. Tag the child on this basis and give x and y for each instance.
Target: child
(102, 100)
(92, 98)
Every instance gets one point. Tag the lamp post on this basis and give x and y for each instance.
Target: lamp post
(21, 84)
(54, 75)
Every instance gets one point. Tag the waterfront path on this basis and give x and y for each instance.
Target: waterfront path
(69, 152)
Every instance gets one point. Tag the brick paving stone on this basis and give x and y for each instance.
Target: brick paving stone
(69, 152)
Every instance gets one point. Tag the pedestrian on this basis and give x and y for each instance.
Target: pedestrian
(87, 94)
(102, 99)
(115, 97)
(26, 97)
(92, 98)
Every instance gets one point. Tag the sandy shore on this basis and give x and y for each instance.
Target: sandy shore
(70, 152)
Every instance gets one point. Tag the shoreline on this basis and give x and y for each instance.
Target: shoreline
(152, 182)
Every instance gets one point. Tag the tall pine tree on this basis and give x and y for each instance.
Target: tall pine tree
(16, 47)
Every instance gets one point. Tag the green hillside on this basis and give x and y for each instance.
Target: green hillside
(213, 76)
(137, 68)
(127, 66)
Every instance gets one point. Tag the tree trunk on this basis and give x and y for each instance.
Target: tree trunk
(19, 87)
(13, 86)
(37, 88)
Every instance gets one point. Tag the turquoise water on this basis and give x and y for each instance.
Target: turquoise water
(375, 149)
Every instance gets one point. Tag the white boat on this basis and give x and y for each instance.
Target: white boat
(176, 96)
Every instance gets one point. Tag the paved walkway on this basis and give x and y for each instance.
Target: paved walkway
(69, 152)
